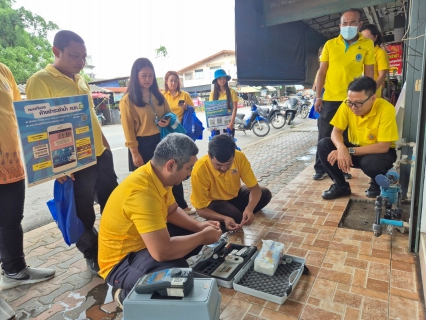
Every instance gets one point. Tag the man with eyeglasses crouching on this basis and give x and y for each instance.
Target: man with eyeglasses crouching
(372, 132)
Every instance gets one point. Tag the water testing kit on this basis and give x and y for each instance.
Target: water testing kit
(233, 267)
(202, 302)
(274, 288)
(224, 262)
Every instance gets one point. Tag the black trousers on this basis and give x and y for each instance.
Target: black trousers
(101, 180)
(136, 264)
(179, 195)
(146, 147)
(235, 207)
(370, 164)
(327, 113)
(12, 198)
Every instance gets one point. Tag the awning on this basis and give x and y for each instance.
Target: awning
(247, 89)
(271, 88)
(203, 88)
(96, 95)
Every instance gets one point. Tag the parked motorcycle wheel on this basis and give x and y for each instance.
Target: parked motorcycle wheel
(305, 111)
(278, 121)
(261, 128)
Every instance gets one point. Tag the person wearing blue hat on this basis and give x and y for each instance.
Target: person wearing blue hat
(222, 91)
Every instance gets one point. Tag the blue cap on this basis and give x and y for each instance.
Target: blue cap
(220, 73)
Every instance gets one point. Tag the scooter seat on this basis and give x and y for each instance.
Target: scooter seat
(240, 115)
(264, 110)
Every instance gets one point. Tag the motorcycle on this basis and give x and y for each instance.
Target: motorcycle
(274, 116)
(305, 107)
(294, 107)
(255, 122)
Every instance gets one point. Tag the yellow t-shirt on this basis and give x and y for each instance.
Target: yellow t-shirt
(222, 96)
(379, 125)
(140, 121)
(138, 205)
(208, 184)
(382, 63)
(11, 167)
(51, 83)
(174, 100)
(345, 63)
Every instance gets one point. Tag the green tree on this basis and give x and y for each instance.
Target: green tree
(161, 53)
(23, 41)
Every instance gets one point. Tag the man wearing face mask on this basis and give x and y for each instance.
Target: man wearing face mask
(343, 59)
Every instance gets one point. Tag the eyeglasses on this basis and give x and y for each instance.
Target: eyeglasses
(356, 104)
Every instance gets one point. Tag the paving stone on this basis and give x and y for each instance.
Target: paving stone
(48, 299)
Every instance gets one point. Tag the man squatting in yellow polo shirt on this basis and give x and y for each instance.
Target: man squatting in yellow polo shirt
(62, 79)
(142, 228)
(343, 59)
(217, 193)
(372, 132)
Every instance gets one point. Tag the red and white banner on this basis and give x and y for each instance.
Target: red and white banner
(394, 51)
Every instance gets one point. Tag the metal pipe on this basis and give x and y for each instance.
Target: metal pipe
(410, 181)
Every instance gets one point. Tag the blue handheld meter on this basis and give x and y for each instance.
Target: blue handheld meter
(176, 282)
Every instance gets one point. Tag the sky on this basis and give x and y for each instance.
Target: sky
(116, 33)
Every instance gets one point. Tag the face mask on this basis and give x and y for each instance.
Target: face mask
(187, 178)
(348, 33)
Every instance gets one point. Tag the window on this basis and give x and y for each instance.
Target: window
(188, 76)
(212, 70)
(199, 74)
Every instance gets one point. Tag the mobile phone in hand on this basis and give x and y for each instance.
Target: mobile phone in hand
(165, 118)
(181, 102)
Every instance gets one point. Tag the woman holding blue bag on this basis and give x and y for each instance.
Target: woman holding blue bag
(178, 101)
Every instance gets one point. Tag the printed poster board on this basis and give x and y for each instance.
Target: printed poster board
(395, 58)
(56, 137)
(218, 115)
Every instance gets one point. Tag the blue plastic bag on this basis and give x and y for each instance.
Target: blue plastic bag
(62, 208)
(312, 113)
(193, 126)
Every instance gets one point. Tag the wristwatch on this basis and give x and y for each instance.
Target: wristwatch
(351, 150)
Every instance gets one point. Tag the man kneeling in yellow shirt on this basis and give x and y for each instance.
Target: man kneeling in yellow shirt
(372, 132)
(142, 228)
(217, 193)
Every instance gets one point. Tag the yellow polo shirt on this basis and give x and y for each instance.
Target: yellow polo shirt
(379, 125)
(222, 96)
(140, 121)
(138, 205)
(382, 63)
(174, 100)
(11, 167)
(208, 184)
(345, 63)
(51, 83)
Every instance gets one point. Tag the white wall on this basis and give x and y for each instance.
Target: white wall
(224, 61)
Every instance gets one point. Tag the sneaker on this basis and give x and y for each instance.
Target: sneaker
(92, 265)
(319, 176)
(335, 192)
(373, 191)
(347, 176)
(26, 276)
(117, 299)
(190, 210)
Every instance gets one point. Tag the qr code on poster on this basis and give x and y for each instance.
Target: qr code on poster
(212, 122)
(219, 121)
(40, 151)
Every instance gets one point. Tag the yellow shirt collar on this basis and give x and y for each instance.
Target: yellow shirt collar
(158, 184)
(56, 73)
(214, 171)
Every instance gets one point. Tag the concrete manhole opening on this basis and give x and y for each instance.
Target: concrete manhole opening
(360, 214)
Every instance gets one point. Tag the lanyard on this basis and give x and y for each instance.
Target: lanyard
(155, 113)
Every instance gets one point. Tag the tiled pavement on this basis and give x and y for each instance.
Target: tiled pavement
(353, 274)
